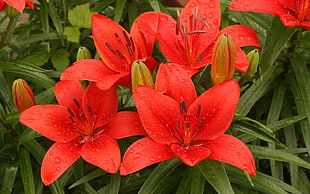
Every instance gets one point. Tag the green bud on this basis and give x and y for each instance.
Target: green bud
(253, 57)
(140, 75)
(11, 11)
(83, 53)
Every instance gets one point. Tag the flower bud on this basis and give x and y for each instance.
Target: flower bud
(83, 53)
(140, 75)
(223, 59)
(22, 95)
(253, 57)
(11, 11)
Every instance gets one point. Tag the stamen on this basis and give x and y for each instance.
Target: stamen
(76, 102)
(116, 36)
(83, 118)
(110, 47)
(70, 112)
(89, 109)
(129, 49)
(204, 22)
(196, 16)
(188, 126)
(183, 107)
(72, 120)
(198, 110)
(197, 31)
(120, 54)
(178, 123)
(200, 123)
(133, 45)
(126, 37)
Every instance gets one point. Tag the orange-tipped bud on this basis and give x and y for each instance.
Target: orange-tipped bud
(83, 53)
(22, 95)
(223, 59)
(140, 75)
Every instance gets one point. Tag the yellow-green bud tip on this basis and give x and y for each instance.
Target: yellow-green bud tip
(140, 75)
(83, 53)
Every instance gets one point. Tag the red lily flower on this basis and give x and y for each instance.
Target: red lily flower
(180, 124)
(189, 40)
(118, 50)
(291, 12)
(19, 5)
(85, 123)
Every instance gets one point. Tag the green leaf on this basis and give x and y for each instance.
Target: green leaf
(26, 171)
(39, 56)
(215, 174)
(60, 59)
(80, 15)
(119, 9)
(198, 181)
(158, 175)
(274, 44)
(90, 176)
(8, 180)
(279, 155)
(72, 34)
(115, 183)
(155, 5)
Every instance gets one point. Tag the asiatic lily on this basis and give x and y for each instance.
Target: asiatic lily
(22, 95)
(291, 12)
(118, 50)
(189, 40)
(180, 124)
(19, 5)
(85, 123)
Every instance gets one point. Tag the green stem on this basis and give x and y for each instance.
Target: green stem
(7, 30)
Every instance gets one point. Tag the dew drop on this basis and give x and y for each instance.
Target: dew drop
(58, 169)
(84, 74)
(151, 159)
(57, 160)
(137, 155)
(163, 17)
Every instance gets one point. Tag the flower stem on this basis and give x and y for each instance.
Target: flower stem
(7, 30)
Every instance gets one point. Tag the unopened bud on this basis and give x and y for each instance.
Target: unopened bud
(253, 57)
(140, 75)
(83, 53)
(22, 95)
(223, 59)
(11, 11)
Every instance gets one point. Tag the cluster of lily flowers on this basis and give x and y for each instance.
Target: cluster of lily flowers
(171, 119)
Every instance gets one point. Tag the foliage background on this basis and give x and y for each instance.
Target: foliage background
(273, 116)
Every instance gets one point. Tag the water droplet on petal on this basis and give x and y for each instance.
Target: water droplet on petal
(57, 160)
(137, 155)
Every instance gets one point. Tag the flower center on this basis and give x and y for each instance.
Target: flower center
(303, 9)
(190, 34)
(83, 125)
(186, 133)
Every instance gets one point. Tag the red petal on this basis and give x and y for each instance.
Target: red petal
(29, 4)
(209, 12)
(242, 62)
(169, 42)
(102, 151)
(143, 153)
(242, 35)
(2, 5)
(190, 155)
(227, 148)
(51, 121)
(217, 108)
(144, 42)
(68, 90)
(110, 40)
(125, 124)
(265, 6)
(92, 70)
(158, 114)
(99, 105)
(175, 82)
(58, 159)
(291, 4)
(19, 5)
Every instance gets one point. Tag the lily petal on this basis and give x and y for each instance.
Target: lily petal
(217, 108)
(143, 153)
(190, 155)
(51, 121)
(99, 105)
(265, 6)
(29, 4)
(158, 114)
(117, 49)
(229, 149)
(125, 124)
(242, 35)
(102, 151)
(144, 43)
(176, 83)
(19, 5)
(58, 159)
(68, 93)
(93, 70)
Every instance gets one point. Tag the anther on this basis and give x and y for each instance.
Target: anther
(110, 47)
(197, 31)
(83, 118)
(129, 49)
(116, 36)
(178, 123)
(196, 16)
(183, 107)
(89, 109)
(76, 102)
(70, 112)
(204, 22)
(120, 54)
(72, 120)
(198, 110)
(201, 123)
